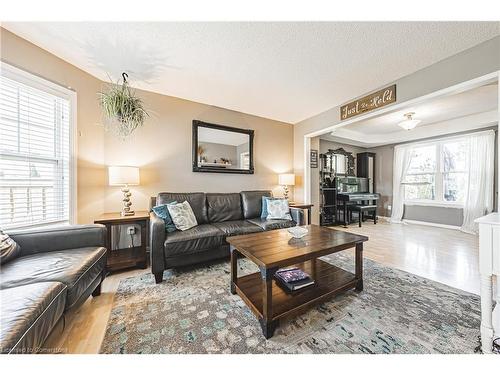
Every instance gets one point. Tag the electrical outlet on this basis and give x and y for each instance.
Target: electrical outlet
(131, 230)
(389, 207)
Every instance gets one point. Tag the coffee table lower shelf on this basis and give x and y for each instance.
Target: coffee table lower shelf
(329, 281)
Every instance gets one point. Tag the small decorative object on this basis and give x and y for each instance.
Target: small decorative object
(286, 179)
(201, 151)
(124, 111)
(124, 176)
(293, 278)
(298, 232)
(314, 159)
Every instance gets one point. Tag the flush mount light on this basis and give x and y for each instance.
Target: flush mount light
(409, 123)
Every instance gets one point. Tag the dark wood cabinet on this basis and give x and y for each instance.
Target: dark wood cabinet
(333, 164)
(366, 168)
(135, 254)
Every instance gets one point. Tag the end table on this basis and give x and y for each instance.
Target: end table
(126, 257)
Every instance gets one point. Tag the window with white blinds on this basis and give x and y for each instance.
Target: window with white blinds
(35, 153)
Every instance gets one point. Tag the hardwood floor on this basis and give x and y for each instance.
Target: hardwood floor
(84, 329)
(443, 255)
(448, 256)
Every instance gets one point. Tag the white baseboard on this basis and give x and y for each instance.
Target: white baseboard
(454, 227)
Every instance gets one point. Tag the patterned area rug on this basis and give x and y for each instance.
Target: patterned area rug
(192, 311)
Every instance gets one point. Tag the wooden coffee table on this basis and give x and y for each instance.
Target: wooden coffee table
(277, 249)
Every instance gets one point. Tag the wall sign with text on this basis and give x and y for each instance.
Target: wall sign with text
(314, 159)
(368, 103)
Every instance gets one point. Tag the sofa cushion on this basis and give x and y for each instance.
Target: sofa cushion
(265, 200)
(278, 209)
(197, 201)
(60, 237)
(224, 207)
(28, 315)
(182, 215)
(252, 202)
(76, 268)
(272, 224)
(199, 238)
(235, 227)
(162, 212)
(9, 249)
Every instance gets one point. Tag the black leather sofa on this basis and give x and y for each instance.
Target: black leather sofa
(56, 271)
(219, 215)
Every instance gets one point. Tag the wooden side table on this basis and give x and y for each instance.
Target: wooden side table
(134, 256)
(303, 206)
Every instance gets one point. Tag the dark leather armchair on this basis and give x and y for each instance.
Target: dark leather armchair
(56, 271)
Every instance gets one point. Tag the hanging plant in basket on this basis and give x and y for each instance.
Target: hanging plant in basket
(123, 110)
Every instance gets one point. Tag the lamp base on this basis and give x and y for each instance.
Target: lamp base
(285, 191)
(126, 211)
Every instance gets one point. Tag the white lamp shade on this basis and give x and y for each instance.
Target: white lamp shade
(119, 176)
(286, 179)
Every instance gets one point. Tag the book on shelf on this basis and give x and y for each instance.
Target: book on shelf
(293, 278)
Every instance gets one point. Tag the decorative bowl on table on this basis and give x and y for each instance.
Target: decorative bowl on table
(297, 232)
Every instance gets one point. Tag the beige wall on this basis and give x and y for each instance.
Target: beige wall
(162, 148)
(472, 63)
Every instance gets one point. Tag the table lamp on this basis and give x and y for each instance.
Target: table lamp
(124, 176)
(286, 179)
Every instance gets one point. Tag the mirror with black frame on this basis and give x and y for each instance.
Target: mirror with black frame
(222, 149)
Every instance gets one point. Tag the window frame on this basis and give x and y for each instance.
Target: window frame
(30, 79)
(438, 175)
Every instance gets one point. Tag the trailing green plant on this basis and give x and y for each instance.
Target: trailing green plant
(123, 109)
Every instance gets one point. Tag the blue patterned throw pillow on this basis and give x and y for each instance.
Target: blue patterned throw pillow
(263, 215)
(162, 212)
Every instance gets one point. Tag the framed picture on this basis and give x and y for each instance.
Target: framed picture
(314, 159)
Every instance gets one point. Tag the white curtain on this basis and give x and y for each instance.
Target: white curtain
(402, 158)
(479, 196)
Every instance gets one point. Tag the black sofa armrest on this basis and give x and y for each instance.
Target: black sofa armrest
(297, 215)
(60, 238)
(157, 236)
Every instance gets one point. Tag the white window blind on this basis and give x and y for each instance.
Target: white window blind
(34, 153)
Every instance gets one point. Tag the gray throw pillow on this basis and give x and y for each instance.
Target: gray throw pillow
(278, 209)
(182, 215)
(9, 249)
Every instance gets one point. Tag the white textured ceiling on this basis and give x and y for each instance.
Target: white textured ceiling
(287, 71)
(471, 109)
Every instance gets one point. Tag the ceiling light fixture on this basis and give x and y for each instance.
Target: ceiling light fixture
(409, 123)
